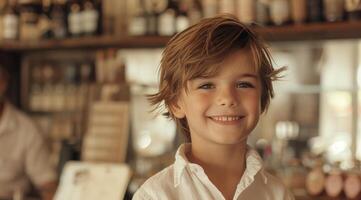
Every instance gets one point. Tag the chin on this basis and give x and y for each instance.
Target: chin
(231, 140)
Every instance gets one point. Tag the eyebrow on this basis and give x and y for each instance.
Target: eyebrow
(245, 75)
(249, 75)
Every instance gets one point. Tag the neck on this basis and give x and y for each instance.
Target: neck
(223, 164)
(231, 158)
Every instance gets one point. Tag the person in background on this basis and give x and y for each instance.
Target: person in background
(24, 156)
(215, 82)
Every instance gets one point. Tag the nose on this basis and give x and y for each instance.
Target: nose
(227, 97)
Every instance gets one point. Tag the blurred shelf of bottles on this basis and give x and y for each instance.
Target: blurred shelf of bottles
(58, 85)
(167, 17)
(58, 89)
(41, 19)
(59, 19)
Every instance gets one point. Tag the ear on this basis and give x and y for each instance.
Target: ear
(177, 110)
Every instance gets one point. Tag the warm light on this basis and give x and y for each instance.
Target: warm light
(339, 101)
(338, 149)
(145, 140)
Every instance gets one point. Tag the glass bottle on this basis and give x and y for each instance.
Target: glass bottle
(10, 21)
(167, 19)
(315, 10)
(152, 16)
(90, 18)
(182, 19)
(210, 8)
(137, 24)
(45, 20)
(246, 11)
(262, 12)
(35, 95)
(280, 12)
(58, 18)
(75, 19)
(227, 6)
(195, 12)
(333, 10)
(298, 10)
(29, 18)
(353, 9)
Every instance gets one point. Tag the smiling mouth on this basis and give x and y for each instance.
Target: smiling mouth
(226, 118)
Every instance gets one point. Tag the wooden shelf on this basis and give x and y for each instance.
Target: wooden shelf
(310, 31)
(86, 42)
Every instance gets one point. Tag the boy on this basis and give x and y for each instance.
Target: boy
(215, 81)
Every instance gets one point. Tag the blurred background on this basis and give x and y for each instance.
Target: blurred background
(81, 69)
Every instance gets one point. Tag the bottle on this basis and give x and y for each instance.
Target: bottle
(58, 19)
(152, 16)
(298, 11)
(333, 10)
(137, 24)
(315, 10)
(90, 18)
(280, 12)
(44, 24)
(195, 12)
(246, 11)
(30, 11)
(48, 88)
(167, 19)
(182, 19)
(227, 6)
(210, 8)
(10, 21)
(262, 12)
(58, 94)
(35, 95)
(75, 19)
(353, 9)
(71, 86)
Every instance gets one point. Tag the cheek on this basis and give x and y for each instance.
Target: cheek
(196, 104)
(254, 102)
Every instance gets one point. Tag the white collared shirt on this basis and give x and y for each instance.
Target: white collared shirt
(185, 180)
(23, 154)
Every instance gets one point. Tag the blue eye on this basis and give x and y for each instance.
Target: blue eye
(245, 85)
(206, 86)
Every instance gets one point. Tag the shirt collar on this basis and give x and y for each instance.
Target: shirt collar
(254, 164)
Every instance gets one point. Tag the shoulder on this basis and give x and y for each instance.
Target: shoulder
(20, 123)
(276, 187)
(21, 119)
(159, 186)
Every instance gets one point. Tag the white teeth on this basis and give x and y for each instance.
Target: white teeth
(226, 118)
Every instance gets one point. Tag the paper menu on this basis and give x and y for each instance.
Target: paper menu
(93, 181)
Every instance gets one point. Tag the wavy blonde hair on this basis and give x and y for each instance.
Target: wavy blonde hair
(195, 52)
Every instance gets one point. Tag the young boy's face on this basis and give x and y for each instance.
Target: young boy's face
(224, 108)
